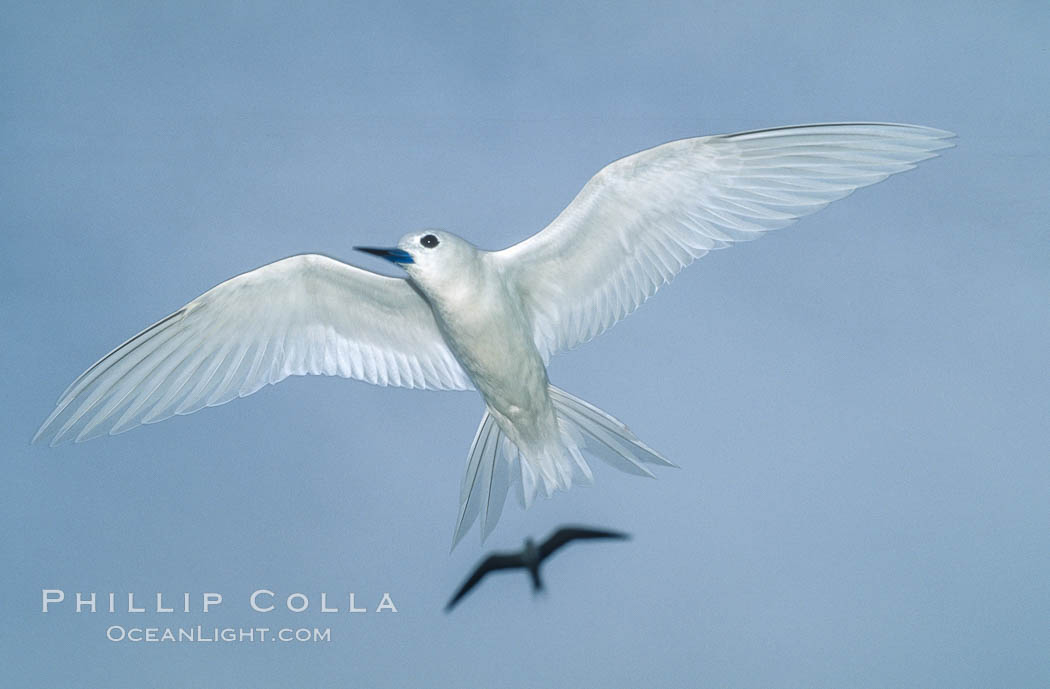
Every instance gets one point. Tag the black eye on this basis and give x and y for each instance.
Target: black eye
(429, 241)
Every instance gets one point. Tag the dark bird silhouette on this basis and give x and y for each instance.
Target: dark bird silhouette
(530, 557)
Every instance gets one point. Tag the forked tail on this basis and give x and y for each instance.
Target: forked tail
(495, 464)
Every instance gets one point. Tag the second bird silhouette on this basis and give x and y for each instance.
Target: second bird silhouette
(530, 557)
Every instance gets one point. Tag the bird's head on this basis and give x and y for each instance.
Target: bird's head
(429, 256)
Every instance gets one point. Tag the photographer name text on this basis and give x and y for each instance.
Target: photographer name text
(260, 600)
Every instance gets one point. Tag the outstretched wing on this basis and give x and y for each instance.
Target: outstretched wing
(491, 563)
(306, 314)
(572, 533)
(643, 218)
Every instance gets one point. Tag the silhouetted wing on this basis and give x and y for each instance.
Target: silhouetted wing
(491, 563)
(571, 533)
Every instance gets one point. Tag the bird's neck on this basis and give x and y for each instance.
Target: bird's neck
(468, 289)
(454, 288)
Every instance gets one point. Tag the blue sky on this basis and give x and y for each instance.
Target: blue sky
(859, 404)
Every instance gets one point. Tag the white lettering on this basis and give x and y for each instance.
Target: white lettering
(49, 597)
(211, 599)
(82, 602)
(298, 596)
(386, 603)
(255, 605)
(132, 608)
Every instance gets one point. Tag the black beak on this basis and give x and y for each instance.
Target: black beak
(398, 256)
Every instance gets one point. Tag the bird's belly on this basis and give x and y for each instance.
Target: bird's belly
(506, 370)
(501, 359)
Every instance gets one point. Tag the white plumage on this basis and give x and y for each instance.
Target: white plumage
(467, 318)
(302, 315)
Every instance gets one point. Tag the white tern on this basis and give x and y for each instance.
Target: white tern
(490, 320)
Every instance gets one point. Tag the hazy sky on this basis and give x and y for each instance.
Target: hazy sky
(859, 404)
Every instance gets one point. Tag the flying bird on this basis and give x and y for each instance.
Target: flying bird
(530, 557)
(466, 318)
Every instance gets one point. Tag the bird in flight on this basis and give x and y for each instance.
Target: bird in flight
(466, 318)
(530, 557)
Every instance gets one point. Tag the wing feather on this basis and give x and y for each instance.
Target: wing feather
(304, 315)
(642, 219)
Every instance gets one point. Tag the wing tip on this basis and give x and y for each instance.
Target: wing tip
(38, 435)
(923, 131)
(46, 435)
(460, 530)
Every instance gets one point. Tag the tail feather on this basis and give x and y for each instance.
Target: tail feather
(487, 480)
(605, 429)
(495, 464)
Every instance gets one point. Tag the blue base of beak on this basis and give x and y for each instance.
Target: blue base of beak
(393, 255)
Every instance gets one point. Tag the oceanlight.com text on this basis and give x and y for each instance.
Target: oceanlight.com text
(202, 634)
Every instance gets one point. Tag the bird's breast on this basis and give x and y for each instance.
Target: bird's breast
(489, 333)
